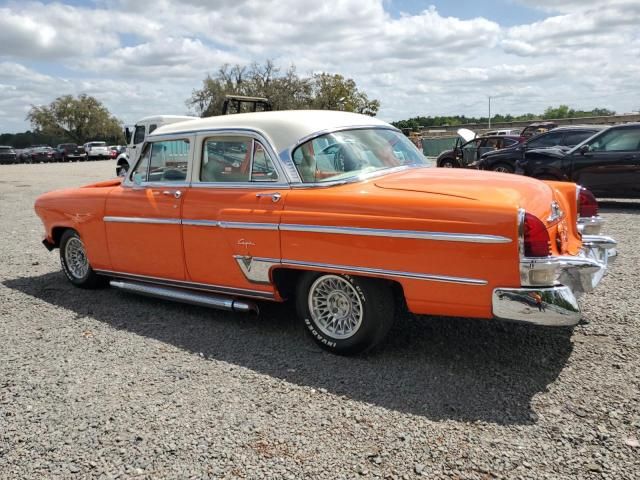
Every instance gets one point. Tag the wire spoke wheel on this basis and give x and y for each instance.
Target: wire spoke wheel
(76, 258)
(336, 306)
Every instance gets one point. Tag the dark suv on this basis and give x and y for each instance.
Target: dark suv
(561, 137)
(463, 154)
(7, 154)
(608, 163)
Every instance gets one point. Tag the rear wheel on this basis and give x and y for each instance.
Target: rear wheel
(449, 163)
(503, 167)
(344, 314)
(74, 261)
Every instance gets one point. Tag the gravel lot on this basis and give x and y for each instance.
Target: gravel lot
(105, 384)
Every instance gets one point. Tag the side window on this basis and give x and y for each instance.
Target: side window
(236, 159)
(169, 161)
(621, 140)
(572, 139)
(508, 142)
(152, 127)
(549, 140)
(138, 136)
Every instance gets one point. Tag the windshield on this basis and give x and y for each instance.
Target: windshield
(345, 154)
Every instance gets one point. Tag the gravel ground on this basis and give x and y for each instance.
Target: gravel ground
(104, 384)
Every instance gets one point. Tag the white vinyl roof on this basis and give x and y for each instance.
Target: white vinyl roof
(283, 128)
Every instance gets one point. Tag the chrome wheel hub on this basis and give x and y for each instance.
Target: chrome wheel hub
(336, 306)
(76, 258)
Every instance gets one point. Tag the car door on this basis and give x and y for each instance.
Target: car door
(142, 217)
(609, 164)
(231, 214)
(470, 151)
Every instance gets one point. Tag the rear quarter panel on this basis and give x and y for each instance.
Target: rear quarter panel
(364, 205)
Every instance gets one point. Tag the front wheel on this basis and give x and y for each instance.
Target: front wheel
(449, 163)
(121, 170)
(503, 167)
(344, 314)
(74, 261)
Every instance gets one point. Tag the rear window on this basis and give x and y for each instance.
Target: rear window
(98, 144)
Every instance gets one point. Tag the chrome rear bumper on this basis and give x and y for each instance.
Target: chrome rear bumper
(569, 276)
(590, 225)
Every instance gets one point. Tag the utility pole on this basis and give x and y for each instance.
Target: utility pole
(489, 111)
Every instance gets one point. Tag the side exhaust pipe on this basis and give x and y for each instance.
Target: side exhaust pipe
(186, 296)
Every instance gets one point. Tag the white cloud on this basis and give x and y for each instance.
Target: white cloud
(147, 56)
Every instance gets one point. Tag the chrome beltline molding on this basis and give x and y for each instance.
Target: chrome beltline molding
(385, 273)
(339, 230)
(160, 221)
(192, 285)
(383, 232)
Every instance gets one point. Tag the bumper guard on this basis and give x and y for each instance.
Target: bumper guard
(570, 276)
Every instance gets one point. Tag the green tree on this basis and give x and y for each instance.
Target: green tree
(79, 119)
(285, 91)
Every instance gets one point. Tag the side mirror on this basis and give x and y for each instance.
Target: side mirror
(584, 149)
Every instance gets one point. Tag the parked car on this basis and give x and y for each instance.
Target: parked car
(115, 150)
(7, 155)
(68, 152)
(537, 128)
(503, 131)
(96, 151)
(608, 163)
(563, 137)
(42, 154)
(224, 211)
(465, 153)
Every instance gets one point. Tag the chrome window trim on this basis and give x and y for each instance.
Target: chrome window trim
(386, 273)
(157, 221)
(242, 185)
(203, 135)
(380, 232)
(192, 285)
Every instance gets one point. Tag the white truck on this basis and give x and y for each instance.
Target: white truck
(96, 150)
(137, 134)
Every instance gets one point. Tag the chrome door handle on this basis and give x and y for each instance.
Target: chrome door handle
(176, 194)
(274, 196)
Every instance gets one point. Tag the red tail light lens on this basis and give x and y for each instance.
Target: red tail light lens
(587, 203)
(536, 237)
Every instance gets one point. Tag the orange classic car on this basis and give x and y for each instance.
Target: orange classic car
(338, 212)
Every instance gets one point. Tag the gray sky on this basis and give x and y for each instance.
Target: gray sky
(436, 57)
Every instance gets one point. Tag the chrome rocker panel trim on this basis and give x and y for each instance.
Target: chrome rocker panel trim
(189, 285)
(550, 306)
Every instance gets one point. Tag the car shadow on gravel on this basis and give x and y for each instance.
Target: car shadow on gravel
(615, 205)
(438, 368)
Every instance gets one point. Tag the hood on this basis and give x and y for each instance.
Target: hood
(489, 188)
(466, 134)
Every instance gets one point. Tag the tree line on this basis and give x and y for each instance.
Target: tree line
(562, 111)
